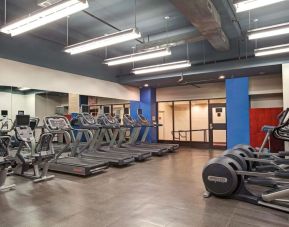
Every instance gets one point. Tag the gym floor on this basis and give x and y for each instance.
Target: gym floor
(165, 191)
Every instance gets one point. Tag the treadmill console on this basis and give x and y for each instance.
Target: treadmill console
(88, 118)
(58, 123)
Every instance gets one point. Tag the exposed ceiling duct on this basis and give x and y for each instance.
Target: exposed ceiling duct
(204, 16)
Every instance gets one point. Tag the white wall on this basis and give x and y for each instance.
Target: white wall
(206, 91)
(266, 101)
(46, 105)
(25, 75)
(269, 84)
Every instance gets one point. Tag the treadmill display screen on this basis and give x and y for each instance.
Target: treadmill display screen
(106, 109)
(22, 120)
(126, 110)
(4, 113)
(85, 109)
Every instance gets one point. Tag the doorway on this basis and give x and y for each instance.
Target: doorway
(217, 126)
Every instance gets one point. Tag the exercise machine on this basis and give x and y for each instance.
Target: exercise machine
(64, 161)
(93, 148)
(31, 154)
(114, 130)
(147, 125)
(225, 177)
(135, 127)
(5, 163)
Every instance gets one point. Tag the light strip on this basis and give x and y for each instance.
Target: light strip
(253, 4)
(103, 41)
(162, 67)
(24, 89)
(280, 49)
(144, 55)
(279, 29)
(44, 16)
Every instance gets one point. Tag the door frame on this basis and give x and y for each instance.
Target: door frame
(213, 127)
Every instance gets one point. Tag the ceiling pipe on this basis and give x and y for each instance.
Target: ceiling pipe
(210, 68)
(173, 38)
(204, 17)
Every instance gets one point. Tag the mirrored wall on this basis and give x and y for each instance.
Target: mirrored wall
(41, 103)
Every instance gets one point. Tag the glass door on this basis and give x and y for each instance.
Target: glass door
(217, 126)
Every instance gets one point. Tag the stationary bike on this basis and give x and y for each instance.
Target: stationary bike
(5, 163)
(31, 154)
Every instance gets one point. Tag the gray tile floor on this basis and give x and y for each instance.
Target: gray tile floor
(165, 191)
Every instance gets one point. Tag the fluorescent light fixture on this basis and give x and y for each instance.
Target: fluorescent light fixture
(279, 29)
(146, 85)
(141, 56)
(162, 67)
(103, 41)
(24, 89)
(280, 49)
(44, 16)
(253, 4)
(221, 77)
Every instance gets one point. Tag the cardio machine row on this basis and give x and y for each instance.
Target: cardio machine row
(89, 146)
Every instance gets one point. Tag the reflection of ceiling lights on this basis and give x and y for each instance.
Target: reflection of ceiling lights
(141, 56)
(162, 67)
(221, 77)
(280, 49)
(24, 89)
(253, 4)
(103, 41)
(44, 16)
(279, 29)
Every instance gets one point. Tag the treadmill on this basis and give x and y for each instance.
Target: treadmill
(62, 162)
(93, 148)
(112, 126)
(129, 122)
(146, 124)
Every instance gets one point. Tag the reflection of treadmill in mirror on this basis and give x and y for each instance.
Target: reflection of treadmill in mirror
(68, 164)
(147, 126)
(130, 123)
(93, 148)
(113, 128)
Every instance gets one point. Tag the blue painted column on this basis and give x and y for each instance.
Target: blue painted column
(238, 107)
(148, 105)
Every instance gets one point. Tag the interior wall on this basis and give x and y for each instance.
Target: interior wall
(206, 91)
(25, 75)
(266, 101)
(45, 105)
(268, 84)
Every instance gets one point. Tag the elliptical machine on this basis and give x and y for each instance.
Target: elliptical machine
(5, 163)
(31, 154)
(227, 177)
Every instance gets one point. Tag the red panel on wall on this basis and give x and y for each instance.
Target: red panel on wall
(260, 117)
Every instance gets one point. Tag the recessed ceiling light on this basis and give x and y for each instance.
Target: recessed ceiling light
(146, 85)
(221, 77)
(167, 17)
